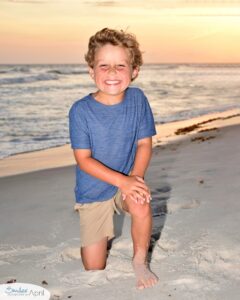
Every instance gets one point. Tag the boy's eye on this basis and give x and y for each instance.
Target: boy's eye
(120, 67)
(104, 67)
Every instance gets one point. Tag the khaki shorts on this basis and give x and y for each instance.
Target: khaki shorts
(96, 219)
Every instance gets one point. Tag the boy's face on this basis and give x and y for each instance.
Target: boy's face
(112, 71)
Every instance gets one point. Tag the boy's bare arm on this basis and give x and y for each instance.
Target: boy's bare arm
(133, 185)
(143, 156)
(141, 162)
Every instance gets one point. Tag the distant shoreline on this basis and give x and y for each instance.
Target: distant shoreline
(166, 133)
(35, 99)
(156, 123)
(146, 63)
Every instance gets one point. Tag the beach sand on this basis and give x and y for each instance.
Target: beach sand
(194, 178)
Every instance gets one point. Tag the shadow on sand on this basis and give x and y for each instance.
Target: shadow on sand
(159, 200)
(160, 197)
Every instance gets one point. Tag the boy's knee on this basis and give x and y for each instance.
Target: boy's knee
(93, 260)
(140, 210)
(94, 266)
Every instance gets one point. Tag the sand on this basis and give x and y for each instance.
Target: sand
(194, 178)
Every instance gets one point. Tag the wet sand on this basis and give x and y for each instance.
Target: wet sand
(194, 179)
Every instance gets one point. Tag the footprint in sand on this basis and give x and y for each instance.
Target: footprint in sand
(160, 194)
(82, 277)
(96, 278)
(70, 254)
(187, 283)
(56, 294)
(164, 189)
(168, 245)
(174, 207)
(192, 204)
(119, 267)
(223, 263)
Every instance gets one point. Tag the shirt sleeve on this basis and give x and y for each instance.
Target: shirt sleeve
(147, 125)
(78, 129)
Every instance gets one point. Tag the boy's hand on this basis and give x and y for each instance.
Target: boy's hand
(137, 199)
(135, 187)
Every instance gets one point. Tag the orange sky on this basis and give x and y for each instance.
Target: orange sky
(57, 31)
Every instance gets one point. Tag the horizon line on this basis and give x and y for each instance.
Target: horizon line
(147, 63)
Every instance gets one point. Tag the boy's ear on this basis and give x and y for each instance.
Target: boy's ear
(91, 72)
(135, 73)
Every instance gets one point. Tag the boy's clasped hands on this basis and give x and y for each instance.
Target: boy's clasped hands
(135, 188)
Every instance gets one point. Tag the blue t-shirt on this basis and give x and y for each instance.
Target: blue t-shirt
(111, 132)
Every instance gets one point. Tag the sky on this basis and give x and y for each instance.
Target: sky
(180, 31)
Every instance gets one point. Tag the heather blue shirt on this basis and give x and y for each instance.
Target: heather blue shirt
(111, 132)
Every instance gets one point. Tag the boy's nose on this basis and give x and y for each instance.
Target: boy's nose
(112, 69)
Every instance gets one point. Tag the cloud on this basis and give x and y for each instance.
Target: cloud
(164, 4)
(207, 3)
(103, 3)
(210, 15)
(167, 7)
(28, 1)
(106, 3)
(88, 2)
(156, 4)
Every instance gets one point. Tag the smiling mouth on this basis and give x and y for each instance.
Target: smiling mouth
(112, 82)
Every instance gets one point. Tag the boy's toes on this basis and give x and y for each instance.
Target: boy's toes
(151, 282)
(140, 285)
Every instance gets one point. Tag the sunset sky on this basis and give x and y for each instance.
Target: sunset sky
(57, 31)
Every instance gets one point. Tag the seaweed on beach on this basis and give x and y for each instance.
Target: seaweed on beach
(193, 127)
(202, 138)
(12, 280)
(187, 129)
(208, 129)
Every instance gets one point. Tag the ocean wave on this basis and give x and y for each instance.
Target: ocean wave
(32, 148)
(189, 114)
(34, 105)
(68, 72)
(14, 69)
(161, 66)
(29, 79)
(21, 69)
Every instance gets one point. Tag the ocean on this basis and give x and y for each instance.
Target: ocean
(35, 99)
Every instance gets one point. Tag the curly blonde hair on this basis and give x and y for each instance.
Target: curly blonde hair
(115, 38)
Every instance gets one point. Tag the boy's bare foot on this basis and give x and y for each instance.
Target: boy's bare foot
(145, 278)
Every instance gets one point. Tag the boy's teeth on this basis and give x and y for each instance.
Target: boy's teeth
(112, 81)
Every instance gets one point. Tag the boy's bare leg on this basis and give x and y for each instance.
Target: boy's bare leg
(94, 256)
(141, 232)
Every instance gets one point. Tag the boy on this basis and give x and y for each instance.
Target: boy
(111, 135)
